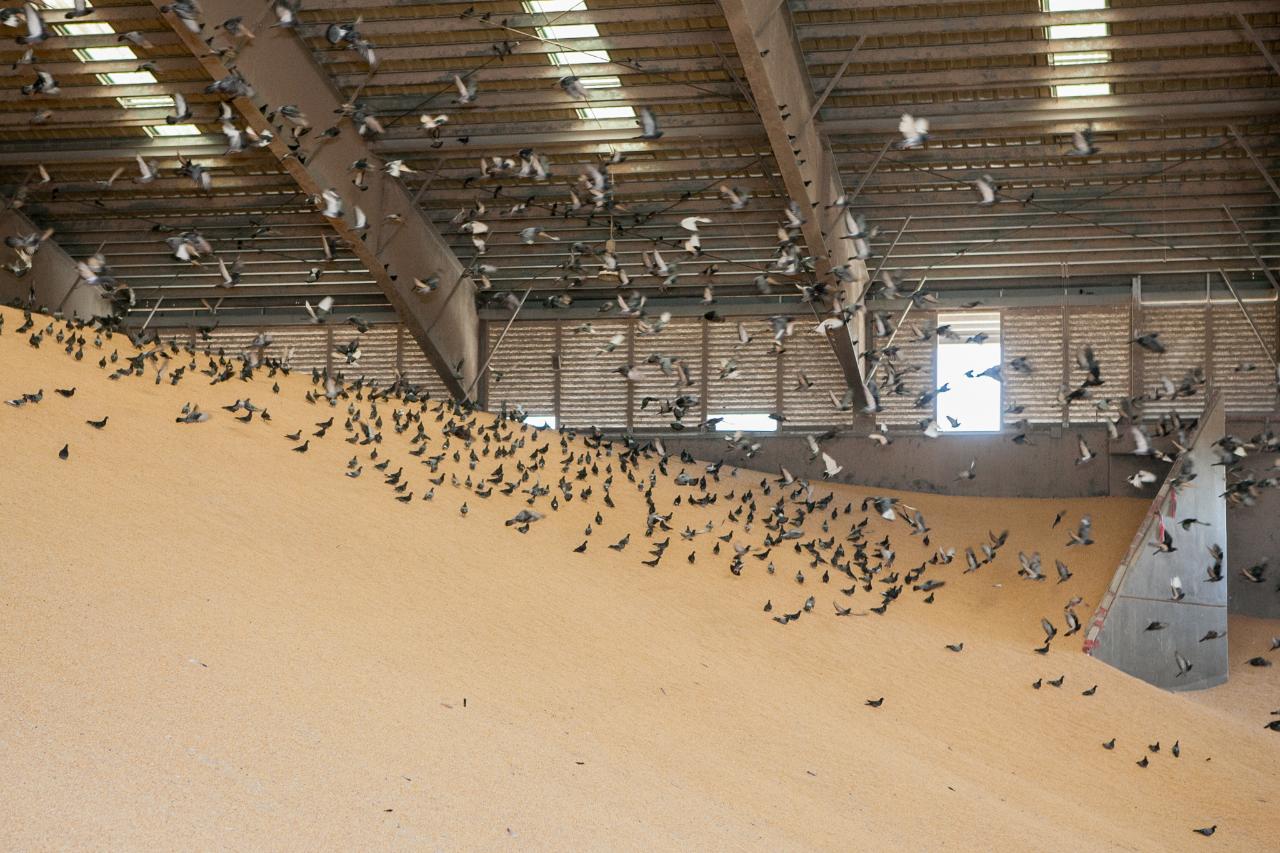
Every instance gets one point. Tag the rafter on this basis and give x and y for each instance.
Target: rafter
(775, 71)
(282, 71)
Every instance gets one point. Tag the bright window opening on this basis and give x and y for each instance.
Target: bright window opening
(1081, 57)
(145, 102)
(570, 31)
(555, 5)
(128, 78)
(172, 130)
(83, 29)
(557, 32)
(747, 422)
(973, 402)
(1073, 5)
(576, 57)
(541, 421)
(1082, 90)
(105, 54)
(1078, 31)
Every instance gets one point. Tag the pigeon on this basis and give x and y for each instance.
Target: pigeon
(1082, 142)
(572, 86)
(648, 124)
(914, 131)
(466, 90)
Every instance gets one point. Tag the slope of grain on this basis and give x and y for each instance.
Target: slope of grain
(210, 641)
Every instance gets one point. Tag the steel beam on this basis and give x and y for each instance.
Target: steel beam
(281, 69)
(775, 70)
(53, 281)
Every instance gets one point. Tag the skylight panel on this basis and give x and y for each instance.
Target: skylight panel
(1082, 90)
(84, 29)
(128, 78)
(1078, 31)
(572, 31)
(105, 54)
(606, 112)
(577, 57)
(555, 5)
(1073, 5)
(145, 102)
(172, 130)
(1080, 57)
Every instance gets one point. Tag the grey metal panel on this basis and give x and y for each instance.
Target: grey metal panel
(681, 339)
(520, 371)
(1037, 336)
(755, 387)
(1236, 348)
(1140, 592)
(591, 392)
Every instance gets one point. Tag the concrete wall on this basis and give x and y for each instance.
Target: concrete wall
(1004, 469)
(52, 275)
(1046, 469)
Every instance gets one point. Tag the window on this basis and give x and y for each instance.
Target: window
(172, 130)
(561, 32)
(105, 54)
(1080, 57)
(145, 102)
(127, 78)
(747, 422)
(970, 346)
(541, 421)
(95, 29)
(121, 53)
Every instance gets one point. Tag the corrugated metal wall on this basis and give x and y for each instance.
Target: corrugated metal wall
(1051, 340)
(917, 351)
(387, 351)
(1239, 367)
(1105, 330)
(588, 389)
(1039, 336)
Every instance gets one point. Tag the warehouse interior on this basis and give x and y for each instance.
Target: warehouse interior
(849, 304)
